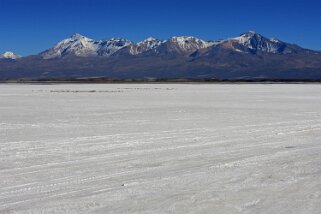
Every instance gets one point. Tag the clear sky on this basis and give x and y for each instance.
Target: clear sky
(30, 26)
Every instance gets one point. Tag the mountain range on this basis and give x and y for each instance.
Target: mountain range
(250, 56)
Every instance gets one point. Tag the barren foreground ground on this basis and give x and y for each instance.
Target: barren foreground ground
(160, 148)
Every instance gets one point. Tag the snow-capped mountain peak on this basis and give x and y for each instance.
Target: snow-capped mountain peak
(151, 43)
(77, 36)
(252, 32)
(188, 44)
(150, 39)
(188, 41)
(9, 55)
(245, 38)
(256, 42)
(79, 45)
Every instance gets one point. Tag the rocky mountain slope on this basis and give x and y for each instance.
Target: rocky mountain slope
(248, 56)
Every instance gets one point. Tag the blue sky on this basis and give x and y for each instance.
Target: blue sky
(30, 26)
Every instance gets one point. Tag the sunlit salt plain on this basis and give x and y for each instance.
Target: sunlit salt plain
(160, 148)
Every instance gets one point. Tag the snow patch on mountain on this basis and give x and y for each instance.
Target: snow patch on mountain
(109, 47)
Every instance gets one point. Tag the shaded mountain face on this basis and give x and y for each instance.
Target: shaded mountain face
(248, 56)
